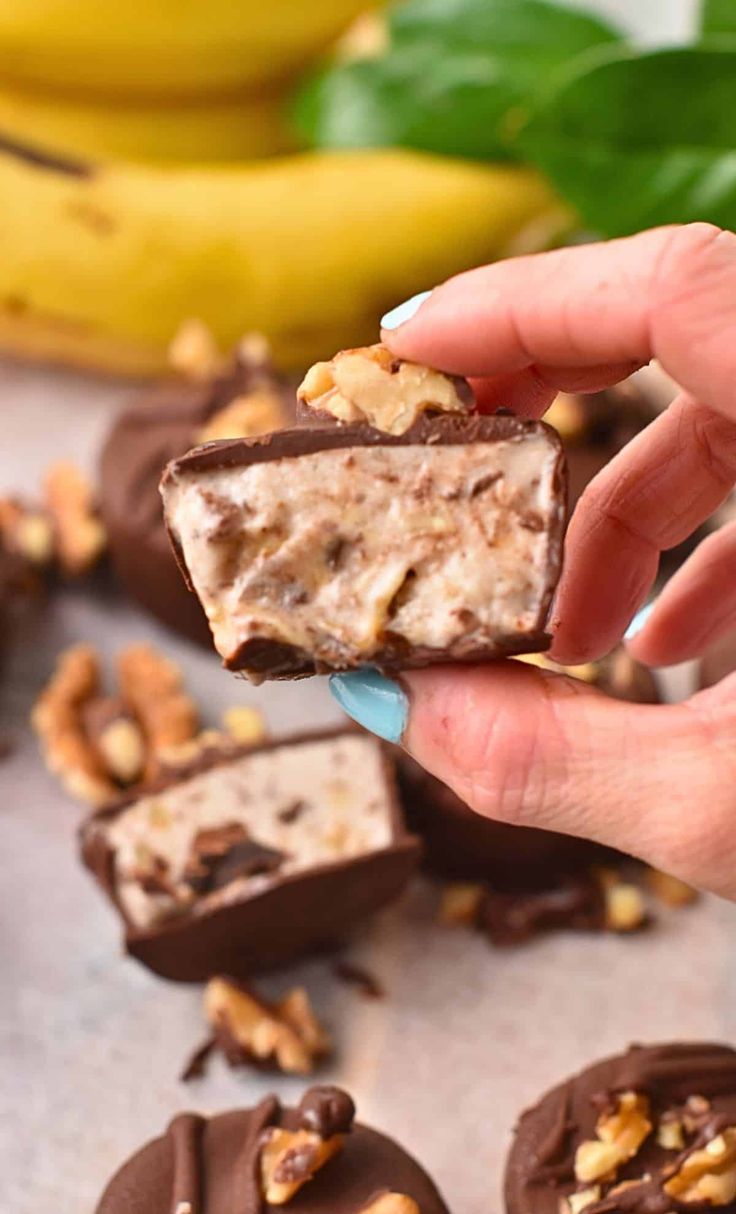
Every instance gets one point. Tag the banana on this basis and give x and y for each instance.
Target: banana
(100, 265)
(228, 129)
(154, 48)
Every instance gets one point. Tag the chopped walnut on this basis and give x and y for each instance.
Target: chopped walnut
(64, 531)
(670, 890)
(98, 744)
(57, 718)
(620, 1134)
(575, 1203)
(671, 1134)
(152, 686)
(289, 1158)
(707, 1175)
(194, 353)
(287, 1035)
(79, 535)
(391, 1203)
(370, 385)
(245, 724)
(461, 903)
(626, 909)
(259, 412)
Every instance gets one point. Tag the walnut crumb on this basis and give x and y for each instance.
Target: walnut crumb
(619, 1136)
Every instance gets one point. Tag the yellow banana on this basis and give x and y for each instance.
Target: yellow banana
(99, 266)
(227, 129)
(153, 48)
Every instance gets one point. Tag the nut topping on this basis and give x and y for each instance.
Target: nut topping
(620, 1134)
(391, 1203)
(575, 1203)
(708, 1175)
(286, 1035)
(259, 412)
(670, 890)
(370, 385)
(98, 744)
(245, 724)
(194, 353)
(79, 534)
(289, 1158)
(626, 909)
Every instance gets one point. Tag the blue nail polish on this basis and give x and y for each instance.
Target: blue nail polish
(375, 702)
(638, 622)
(403, 312)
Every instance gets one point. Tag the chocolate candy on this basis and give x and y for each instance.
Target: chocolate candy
(247, 859)
(330, 548)
(313, 1159)
(163, 423)
(650, 1131)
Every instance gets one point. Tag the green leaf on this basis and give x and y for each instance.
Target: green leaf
(635, 140)
(718, 17)
(454, 73)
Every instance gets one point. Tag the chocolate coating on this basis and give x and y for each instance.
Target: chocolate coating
(540, 1166)
(161, 425)
(291, 915)
(213, 1164)
(262, 657)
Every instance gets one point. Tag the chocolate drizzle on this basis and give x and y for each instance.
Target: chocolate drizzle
(247, 1195)
(185, 1136)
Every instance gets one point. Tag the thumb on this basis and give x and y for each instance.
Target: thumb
(533, 748)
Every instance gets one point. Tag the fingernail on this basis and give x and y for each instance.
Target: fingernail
(375, 702)
(638, 622)
(399, 315)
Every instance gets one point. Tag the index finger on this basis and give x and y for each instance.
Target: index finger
(669, 294)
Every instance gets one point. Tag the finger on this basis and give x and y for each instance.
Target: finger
(534, 749)
(697, 606)
(650, 497)
(529, 393)
(669, 293)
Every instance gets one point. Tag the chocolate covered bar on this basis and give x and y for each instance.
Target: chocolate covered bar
(405, 530)
(314, 1159)
(242, 397)
(649, 1131)
(248, 858)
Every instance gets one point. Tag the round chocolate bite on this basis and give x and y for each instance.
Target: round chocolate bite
(269, 1158)
(165, 422)
(651, 1131)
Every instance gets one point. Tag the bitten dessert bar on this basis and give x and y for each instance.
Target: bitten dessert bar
(399, 529)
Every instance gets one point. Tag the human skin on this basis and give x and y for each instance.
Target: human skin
(533, 748)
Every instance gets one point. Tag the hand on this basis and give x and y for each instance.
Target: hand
(536, 749)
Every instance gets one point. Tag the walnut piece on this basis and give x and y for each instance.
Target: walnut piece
(569, 416)
(626, 909)
(370, 385)
(245, 724)
(620, 1134)
(460, 903)
(152, 686)
(287, 1034)
(391, 1203)
(57, 718)
(26, 531)
(194, 353)
(98, 744)
(289, 1158)
(670, 1134)
(259, 412)
(80, 536)
(707, 1176)
(577, 1202)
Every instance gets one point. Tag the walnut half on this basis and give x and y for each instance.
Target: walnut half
(370, 385)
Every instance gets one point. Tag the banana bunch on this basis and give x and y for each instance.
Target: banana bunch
(147, 176)
(100, 265)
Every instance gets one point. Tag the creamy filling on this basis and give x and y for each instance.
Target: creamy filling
(298, 806)
(332, 551)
